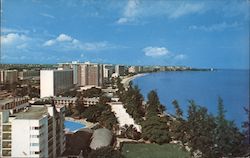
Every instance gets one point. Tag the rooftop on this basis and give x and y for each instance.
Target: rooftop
(66, 98)
(35, 112)
(5, 101)
(9, 100)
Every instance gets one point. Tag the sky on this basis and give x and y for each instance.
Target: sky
(205, 33)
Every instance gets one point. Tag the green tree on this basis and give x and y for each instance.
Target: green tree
(120, 87)
(130, 132)
(178, 125)
(104, 99)
(178, 111)
(133, 102)
(154, 106)
(228, 139)
(155, 129)
(200, 129)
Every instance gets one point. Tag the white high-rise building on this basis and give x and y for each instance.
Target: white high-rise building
(37, 131)
(120, 70)
(54, 82)
(108, 70)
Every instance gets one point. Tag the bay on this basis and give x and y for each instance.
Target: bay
(204, 87)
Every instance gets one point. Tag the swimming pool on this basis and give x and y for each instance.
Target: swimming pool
(73, 126)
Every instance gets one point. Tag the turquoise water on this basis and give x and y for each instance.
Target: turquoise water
(73, 126)
(203, 87)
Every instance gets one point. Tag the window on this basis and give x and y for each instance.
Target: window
(34, 144)
(36, 127)
(34, 136)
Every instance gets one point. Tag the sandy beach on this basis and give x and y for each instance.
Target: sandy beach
(126, 80)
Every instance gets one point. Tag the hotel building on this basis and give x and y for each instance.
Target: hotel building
(36, 131)
(90, 74)
(133, 69)
(8, 76)
(120, 70)
(54, 82)
(28, 74)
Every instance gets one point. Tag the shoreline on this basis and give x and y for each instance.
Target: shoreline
(127, 80)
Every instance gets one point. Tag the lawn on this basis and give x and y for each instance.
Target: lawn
(153, 151)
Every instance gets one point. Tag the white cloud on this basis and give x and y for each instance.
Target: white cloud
(180, 57)
(135, 9)
(155, 51)
(215, 27)
(163, 53)
(69, 43)
(63, 37)
(13, 38)
(129, 12)
(49, 43)
(22, 46)
(60, 38)
(47, 15)
(11, 30)
(186, 8)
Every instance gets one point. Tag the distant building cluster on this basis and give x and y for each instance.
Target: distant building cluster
(33, 125)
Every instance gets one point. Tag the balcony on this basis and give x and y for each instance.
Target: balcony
(6, 136)
(50, 135)
(6, 128)
(50, 128)
(6, 153)
(6, 144)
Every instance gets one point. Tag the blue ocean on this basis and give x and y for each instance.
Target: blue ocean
(204, 87)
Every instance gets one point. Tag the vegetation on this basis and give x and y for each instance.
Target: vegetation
(200, 127)
(130, 132)
(102, 114)
(206, 135)
(153, 151)
(178, 125)
(132, 100)
(154, 107)
(156, 130)
(105, 152)
(19, 90)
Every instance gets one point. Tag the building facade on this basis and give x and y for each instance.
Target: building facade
(120, 70)
(65, 101)
(28, 74)
(90, 74)
(54, 82)
(37, 131)
(8, 76)
(14, 104)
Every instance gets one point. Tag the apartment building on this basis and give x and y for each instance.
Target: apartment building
(120, 70)
(36, 131)
(90, 74)
(28, 74)
(8, 76)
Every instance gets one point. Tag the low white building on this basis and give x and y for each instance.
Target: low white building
(65, 101)
(14, 104)
(35, 132)
(90, 101)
